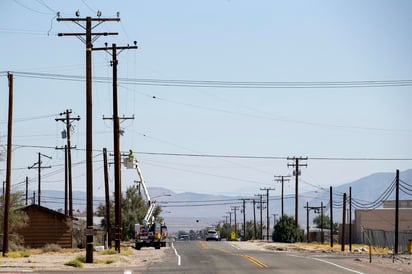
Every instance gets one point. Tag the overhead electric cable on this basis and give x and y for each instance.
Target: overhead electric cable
(225, 84)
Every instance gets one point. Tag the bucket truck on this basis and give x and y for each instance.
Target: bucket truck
(150, 233)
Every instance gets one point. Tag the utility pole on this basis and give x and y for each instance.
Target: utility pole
(396, 213)
(116, 142)
(27, 190)
(254, 219)
(331, 216)
(8, 167)
(230, 219)
(282, 179)
(297, 173)
(39, 167)
(225, 218)
(316, 209)
(106, 191)
(307, 222)
(343, 223)
(88, 39)
(68, 121)
(274, 219)
(322, 238)
(267, 211)
(66, 183)
(350, 219)
(244, 219)
(235, 209)
(261, 219)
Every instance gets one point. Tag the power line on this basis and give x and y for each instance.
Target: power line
(225, 84)
(261, 157)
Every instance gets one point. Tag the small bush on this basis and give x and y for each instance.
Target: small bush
(51, 248)
(126, 252)
(81, 258)
(108, 261)
(18, 254)
(110, 251)
(74, 263)
(77, 262)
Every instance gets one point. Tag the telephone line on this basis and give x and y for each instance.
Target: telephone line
(224, 84)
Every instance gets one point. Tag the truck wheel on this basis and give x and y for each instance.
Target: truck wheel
(138, 247)
(157, 246)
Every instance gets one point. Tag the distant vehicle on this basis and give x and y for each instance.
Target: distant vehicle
(184, 237)
(212, 235)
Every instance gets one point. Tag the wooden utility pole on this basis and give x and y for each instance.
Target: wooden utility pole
(396, 213)
(106, 192)
(350, 219)
(254, 219)
(282, 180)
(343, 223)
(39, 167)
(261, 216)
(244, 219)
(88, 37)
(235, 209)
(317, 209)
(267, 211)
(331, 216)
(27, 190)
(230, 219)
(297, 173)
(116, 143)
(8, 167)
(68, 155)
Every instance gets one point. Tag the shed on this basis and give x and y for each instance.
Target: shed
(46, 226)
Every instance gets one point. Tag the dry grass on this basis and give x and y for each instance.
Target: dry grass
(18, 254)
(337, 247)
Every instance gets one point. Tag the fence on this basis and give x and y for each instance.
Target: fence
(381, 238)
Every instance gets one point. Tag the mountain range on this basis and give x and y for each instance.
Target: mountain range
(188, 210)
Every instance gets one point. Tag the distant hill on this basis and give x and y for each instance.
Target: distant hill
(190, 210)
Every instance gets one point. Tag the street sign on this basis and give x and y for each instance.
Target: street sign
(233, 235)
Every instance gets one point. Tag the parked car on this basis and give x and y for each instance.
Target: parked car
(212, 235)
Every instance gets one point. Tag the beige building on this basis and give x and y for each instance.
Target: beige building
(380, 223)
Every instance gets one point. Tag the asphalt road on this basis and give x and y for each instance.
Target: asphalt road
(222, 257)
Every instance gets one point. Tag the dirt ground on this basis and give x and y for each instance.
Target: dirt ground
(359, 259)
(129, 257)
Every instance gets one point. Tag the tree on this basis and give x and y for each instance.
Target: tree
(285, 230)
(326, 222)
(17, 218)
(134, 209)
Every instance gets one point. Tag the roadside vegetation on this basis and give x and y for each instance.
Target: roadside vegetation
(77, 262)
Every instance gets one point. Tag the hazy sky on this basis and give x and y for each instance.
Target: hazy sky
(309, 45)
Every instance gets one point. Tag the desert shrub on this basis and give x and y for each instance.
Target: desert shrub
(285, 230)
(74, 263)
(18, 254)
(51, 248)
(77, 262)
(110, 251)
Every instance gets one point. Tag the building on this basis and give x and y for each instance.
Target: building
(46, 226)
(377, 226)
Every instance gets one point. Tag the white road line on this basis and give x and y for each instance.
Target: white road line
(348, 269)
(238, 248)
(327, 262)
(178, 256)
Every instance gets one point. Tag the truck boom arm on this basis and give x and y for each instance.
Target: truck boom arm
(152, 205)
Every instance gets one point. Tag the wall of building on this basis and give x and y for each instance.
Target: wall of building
(381, 219)
(46, 227)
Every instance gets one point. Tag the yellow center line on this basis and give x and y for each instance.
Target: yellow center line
(250, 258)
(255, 261)
(203, 245)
